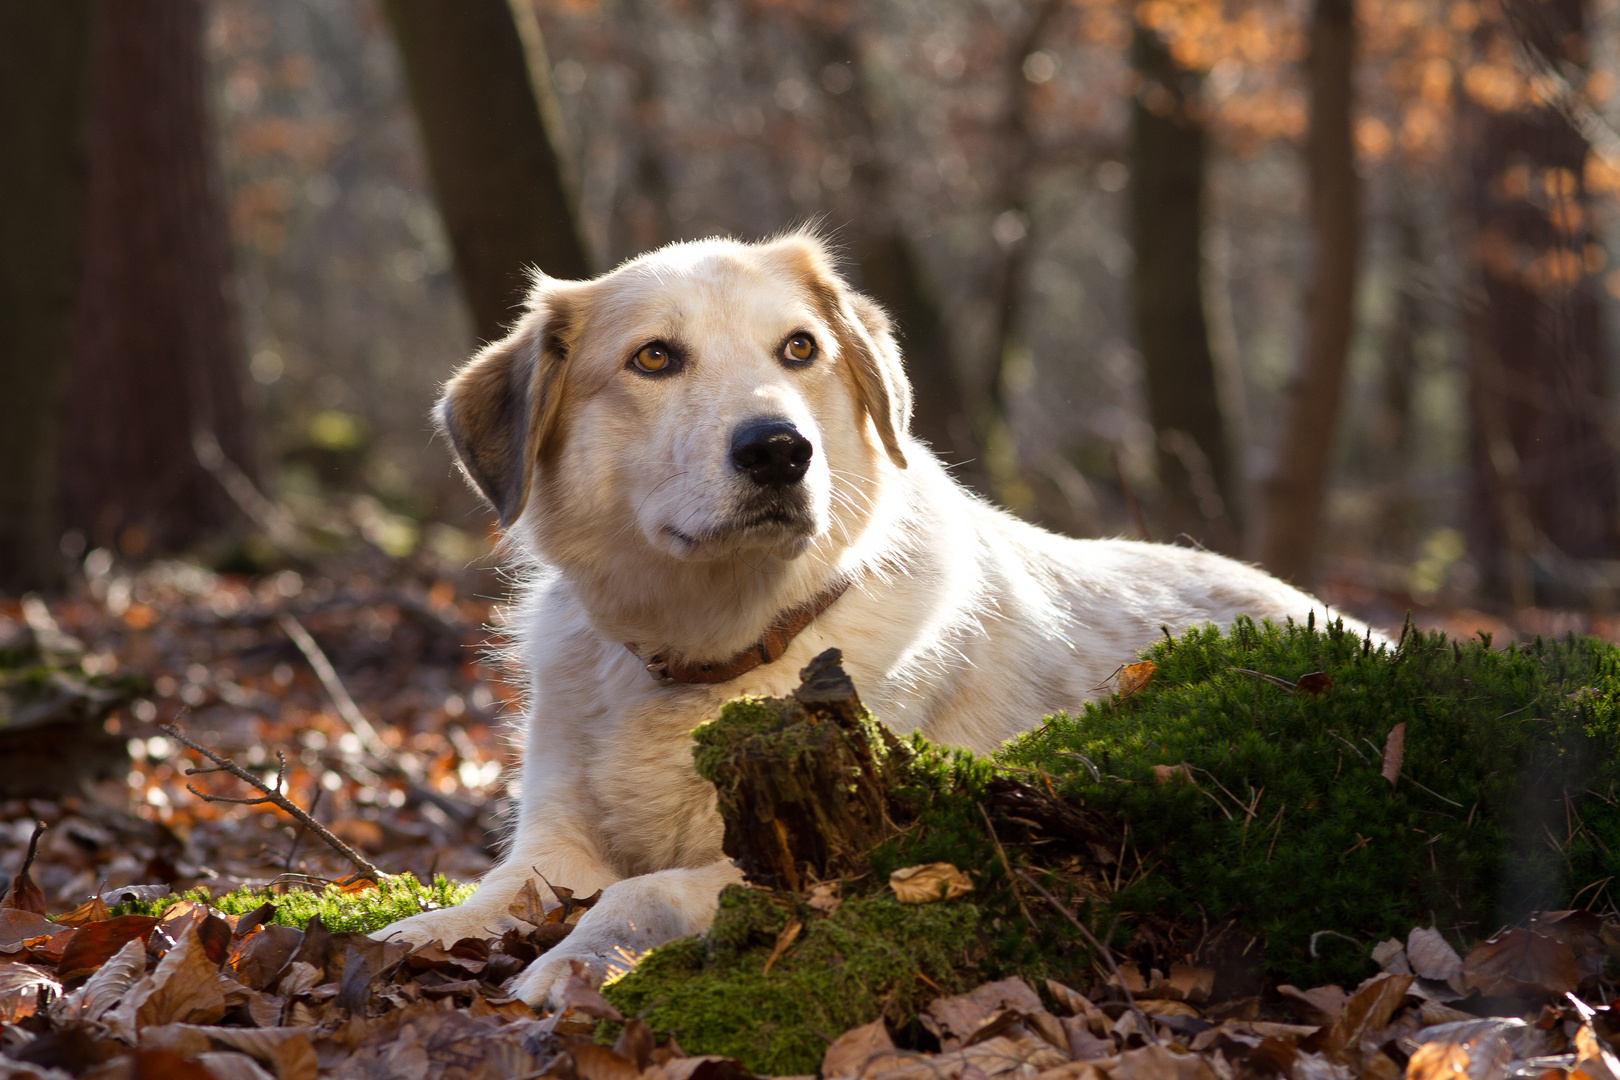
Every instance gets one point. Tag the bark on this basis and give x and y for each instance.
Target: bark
(886, 261)
(482, 92)
(1546, 489)
(1169, 153)
(807, 796)
(157, 360)
(1295, 493)
(44, 102)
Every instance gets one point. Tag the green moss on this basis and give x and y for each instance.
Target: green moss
(1506, 801)
(395, 898)
(769, 727)
(868, 959)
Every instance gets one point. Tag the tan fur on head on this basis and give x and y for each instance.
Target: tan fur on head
(502, 411)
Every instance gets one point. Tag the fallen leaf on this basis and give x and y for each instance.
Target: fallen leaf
(1391, 956)
(789, 933)
(1318, 1005)
(107, 986)
(826, 896)
(20, 985)
(855, 1052)
(581, 997)
(1314, 683)
(1132, 677)
(18, 926)
(1365, 1014)
(184, 988)
(24, 895)
(1193, 984)
(961, 1019)
(1431, 955)
(1394, 750)
(1439, 1061)
(526, 906)
(929, 882)
(96, 943)
(258, 959)
(1160, 1063)
(91, 911)
(1521, 963)
(593, 1062)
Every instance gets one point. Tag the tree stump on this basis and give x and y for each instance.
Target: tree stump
(804, 782)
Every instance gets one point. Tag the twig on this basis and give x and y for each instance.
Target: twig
(1104, 951)
(324, 671)
(273, 796)
(277, 524)
(1272, 679)
(1007, 866)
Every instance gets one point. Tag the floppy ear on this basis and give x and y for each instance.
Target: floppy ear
(880, 374)
(866, 340)
(501, 410)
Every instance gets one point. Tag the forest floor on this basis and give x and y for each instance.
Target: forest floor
(425, 791)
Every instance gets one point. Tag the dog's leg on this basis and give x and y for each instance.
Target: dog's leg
(632, 916)
(561, 856)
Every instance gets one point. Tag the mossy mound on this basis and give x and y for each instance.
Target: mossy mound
(1505, 802)
(872, 957)
(395, 898)
(1266, 822)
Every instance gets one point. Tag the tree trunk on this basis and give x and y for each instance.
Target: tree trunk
(482, 90)
(1545, 476)
(44, 102)
(1294, 495)
(886, 260)
(1199, 483)
(157, 362)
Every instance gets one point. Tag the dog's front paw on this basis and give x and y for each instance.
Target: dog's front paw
(449, 925)
(543, 983)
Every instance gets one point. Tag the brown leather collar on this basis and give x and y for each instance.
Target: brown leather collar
(770, 646)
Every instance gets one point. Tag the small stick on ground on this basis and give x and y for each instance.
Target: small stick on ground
(1102, 950)
(1012, 879)
(273, 796)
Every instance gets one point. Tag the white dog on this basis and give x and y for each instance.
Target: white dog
(704, 453)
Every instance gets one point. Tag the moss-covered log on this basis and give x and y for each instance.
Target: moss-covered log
(805, 783)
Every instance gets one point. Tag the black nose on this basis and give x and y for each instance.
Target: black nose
(771, 452)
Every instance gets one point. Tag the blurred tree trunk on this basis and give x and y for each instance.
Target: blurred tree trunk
(481, 86)
(1294, 495)
(1168, 159)
(1545, 478)
(157, 360)
(1390, 436)
(886, 261)
(44, 102)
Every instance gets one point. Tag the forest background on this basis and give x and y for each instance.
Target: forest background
(1326, 284)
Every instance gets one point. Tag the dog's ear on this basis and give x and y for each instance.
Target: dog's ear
(501, 411)
(866, 340)
(880, 374)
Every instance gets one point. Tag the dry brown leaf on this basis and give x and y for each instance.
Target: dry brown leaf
(957, 1020)
(96, 943)
(1165, 1007)
(288, 1051)
(106, 987)
(581, 997)
(1314, 683)
(826, 896)
(1132, 677)
(1318, 1005)
(593, 1062)
(1431, 955)
(24, 895)
(183, 989)
(92, 910)
(1084, 1045)
(1160, 1063)
(19, 990)
(1394, 751)
(929, 882)
(1365, 1014)
(526, 906)
(1520, 963)
(18, 926)
(228, 1065)
(789, 934)
(855, 1051)
(1193, 984)
(1439, 1061)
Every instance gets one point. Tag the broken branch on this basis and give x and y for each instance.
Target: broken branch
(272, 795)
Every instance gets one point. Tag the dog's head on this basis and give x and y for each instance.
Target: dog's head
(704, 401)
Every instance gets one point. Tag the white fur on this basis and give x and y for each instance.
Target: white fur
(961, 621)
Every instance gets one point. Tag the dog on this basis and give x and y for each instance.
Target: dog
(702, 460)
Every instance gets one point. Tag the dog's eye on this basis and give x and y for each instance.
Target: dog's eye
(800, 348)
(652, 358)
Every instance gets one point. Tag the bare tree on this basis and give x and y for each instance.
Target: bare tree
(481, 86)
(1547, 484)
(44, 99)
(157, 359)
(1168, 159)
(1294, 495)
